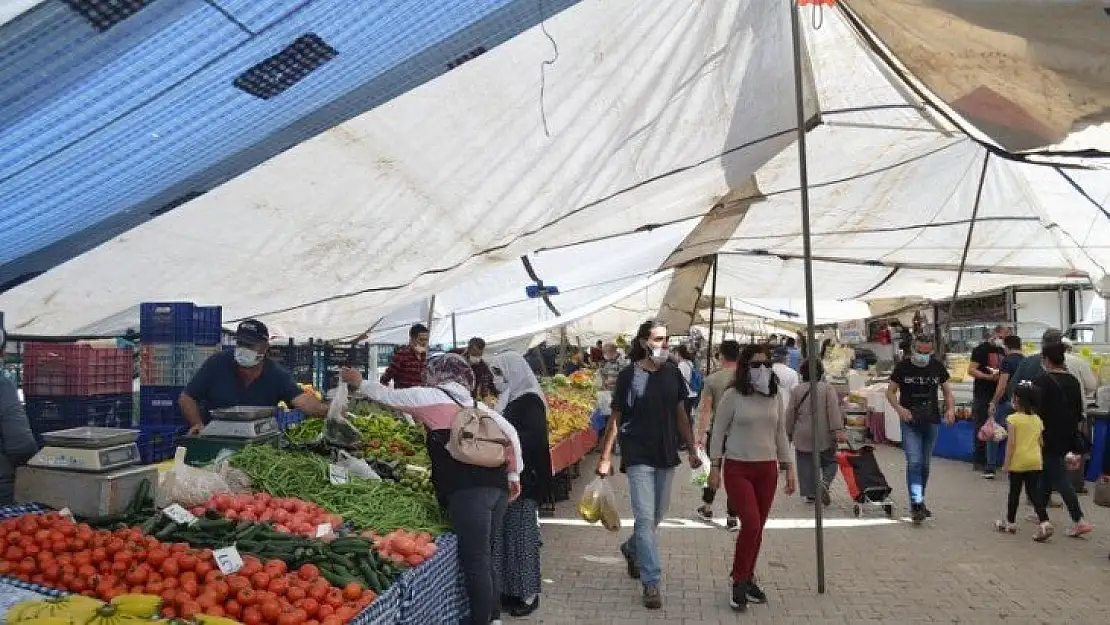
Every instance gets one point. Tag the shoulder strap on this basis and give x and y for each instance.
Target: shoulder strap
(453, 398)
(798, 408)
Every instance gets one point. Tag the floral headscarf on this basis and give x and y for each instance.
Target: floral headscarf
(449, 368)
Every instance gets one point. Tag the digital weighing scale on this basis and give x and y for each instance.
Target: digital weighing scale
(242, 422)
(88, 449)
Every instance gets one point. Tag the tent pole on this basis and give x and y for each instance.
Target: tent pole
(807, 262)
(967, 244)
(454, 335)
(712, 317)
(431, 315)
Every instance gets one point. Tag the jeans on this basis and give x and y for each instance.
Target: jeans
(917, 443)
(477, 515)
(751, 486)
(807, 481)
(650, 490)
(994, 456)
(1055, 476)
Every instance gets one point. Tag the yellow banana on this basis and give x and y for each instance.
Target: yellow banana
(142, 606)
(20, 611)
(204, 619)
(48, 620)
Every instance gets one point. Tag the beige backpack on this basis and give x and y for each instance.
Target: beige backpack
(475, 438)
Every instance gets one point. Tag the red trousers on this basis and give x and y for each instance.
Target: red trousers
(751, 490)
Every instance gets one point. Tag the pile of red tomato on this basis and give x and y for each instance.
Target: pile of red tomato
(54, 551)
(288, 514)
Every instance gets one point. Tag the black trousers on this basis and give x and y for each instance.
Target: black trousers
(1032, 482)
(980, 413)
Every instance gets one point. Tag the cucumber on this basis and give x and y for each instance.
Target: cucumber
(336, 579)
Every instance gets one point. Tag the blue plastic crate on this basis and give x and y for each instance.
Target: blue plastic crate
(287, 418)
(208, 325)
(158, 442)
(158, 405)
(50, 414)
(1100, 447)
(166, 322)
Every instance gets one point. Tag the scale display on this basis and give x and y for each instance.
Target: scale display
(92, 460)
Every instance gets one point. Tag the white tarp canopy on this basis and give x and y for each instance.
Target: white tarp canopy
(440, 192)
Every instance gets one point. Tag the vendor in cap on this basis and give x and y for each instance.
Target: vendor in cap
(243, 377)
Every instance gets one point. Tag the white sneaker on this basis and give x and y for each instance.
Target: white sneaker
(1043, 532)
(1005, 527)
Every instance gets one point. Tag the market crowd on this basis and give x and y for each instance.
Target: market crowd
(755, 418)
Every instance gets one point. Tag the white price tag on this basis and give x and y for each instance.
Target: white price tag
(66, 512)
(228, 560)
(323, 529)
(338, 474)
(180, 515)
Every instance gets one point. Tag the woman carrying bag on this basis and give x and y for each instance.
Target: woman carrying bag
(830, 430)
(521, 402)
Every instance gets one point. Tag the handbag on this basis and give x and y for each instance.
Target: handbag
(1080, 442)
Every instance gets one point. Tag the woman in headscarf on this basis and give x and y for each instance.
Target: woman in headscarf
(475, 497)
(522, 404)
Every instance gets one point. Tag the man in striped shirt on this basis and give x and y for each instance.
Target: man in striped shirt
(406, 368)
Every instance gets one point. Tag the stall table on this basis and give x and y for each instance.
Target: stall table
(430, 593)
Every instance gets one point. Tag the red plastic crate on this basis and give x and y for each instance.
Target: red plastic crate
(72, 370)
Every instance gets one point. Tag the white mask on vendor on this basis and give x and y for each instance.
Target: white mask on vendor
(246, 357)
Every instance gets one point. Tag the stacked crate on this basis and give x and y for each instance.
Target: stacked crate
(176, 339)
(68, 385)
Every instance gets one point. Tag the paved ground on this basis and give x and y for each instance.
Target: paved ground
(952, 570)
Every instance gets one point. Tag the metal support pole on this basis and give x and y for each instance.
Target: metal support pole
(712, 317)
(807, 262)
(431, 316)
(967, 243)
(454, 335)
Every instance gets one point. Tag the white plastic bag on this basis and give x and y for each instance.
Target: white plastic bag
(699, 477)
(189, 486)
(598, 503)
(237, 481)
(355, 466)
(338, 430)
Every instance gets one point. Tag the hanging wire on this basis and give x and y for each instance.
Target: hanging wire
(818, 15)
(543, 68)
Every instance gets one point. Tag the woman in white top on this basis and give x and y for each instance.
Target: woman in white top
(747, 445)
(475, 497)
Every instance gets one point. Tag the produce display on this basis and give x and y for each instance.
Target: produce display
(340, 560)
(289, 515)
(180, 580)
(379, 505)
(568, 407)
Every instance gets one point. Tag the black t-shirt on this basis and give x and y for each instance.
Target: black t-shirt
(648, 403)
(217, 384)
(1009, 366)
(1061, 410)
(918, 388)
(986, 354)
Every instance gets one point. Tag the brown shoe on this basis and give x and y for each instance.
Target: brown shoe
(652, 599)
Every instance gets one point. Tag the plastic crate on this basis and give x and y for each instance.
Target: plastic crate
(170, 365)
(385, 354)
(75, 370)
(50, 414)
(287, 418)
(158, 442)
(168, 322)
(158, 405)
(299, 360)
(208, 325)
(338, 357)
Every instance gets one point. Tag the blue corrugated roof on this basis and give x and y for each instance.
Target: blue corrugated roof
(99, 130)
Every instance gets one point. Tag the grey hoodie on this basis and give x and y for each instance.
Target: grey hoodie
(17, 444)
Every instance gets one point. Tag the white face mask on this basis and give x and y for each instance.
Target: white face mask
(474, 359)
(760, 377)
(246, 357)
(660, 355)
(420, 349)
